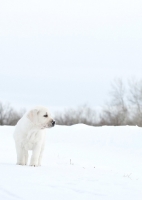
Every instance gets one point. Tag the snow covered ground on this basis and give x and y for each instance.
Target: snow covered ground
(80, 163)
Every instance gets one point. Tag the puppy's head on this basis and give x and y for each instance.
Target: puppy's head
(41, 117)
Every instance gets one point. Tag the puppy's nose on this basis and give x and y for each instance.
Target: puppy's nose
(53, 122)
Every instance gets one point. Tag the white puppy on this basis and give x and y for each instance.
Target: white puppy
(30, 134)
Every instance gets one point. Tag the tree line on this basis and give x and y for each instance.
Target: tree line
(123, 108)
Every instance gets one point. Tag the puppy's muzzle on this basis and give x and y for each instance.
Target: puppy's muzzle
(53, 123)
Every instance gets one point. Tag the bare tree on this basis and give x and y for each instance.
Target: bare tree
(116, 111)
(83, 114)
(8, 116)
(135, 99)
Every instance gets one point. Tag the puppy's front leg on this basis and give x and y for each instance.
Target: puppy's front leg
(20, 154)
(26, 157)
(40, 156)
(35, 155)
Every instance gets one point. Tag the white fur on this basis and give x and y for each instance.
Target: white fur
(30, 134)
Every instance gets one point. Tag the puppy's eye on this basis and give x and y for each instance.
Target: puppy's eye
(45, 115)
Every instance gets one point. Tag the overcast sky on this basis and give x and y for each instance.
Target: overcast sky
(66, 53)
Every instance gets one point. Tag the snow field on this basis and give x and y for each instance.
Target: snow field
(79, 162)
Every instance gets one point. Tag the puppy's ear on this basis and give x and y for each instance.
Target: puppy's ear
(32, 115)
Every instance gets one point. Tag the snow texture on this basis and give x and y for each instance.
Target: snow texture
(80, 162)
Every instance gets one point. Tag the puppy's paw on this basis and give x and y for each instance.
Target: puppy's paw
(34, 165)
(20, 163)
